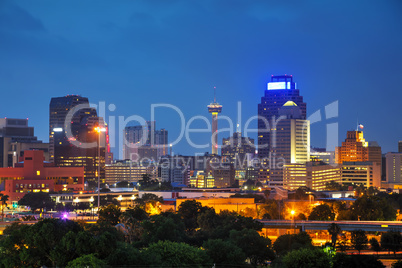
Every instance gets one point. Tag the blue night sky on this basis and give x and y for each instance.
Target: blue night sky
(137, 53)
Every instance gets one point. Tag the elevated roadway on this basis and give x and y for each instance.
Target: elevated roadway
(372, 226)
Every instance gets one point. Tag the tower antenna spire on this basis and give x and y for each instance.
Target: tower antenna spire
(214, 94)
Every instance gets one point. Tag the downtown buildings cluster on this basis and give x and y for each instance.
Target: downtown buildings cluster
(79, 153)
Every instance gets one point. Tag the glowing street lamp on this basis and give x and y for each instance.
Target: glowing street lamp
(292, 212)
(99, 130)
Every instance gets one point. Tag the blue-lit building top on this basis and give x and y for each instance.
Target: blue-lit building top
(280, 90)
(280, 82)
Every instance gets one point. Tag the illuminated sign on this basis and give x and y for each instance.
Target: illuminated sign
(278, 85)
(57, 129)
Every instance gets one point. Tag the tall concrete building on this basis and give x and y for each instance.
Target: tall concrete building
(400, 146)
(15, 138)
(145, 142)
(214, 108)
(73, 136)
(393, 168)
(280, 90)
(290, 141)
(356, 149)
(58, 109)
(238, 148)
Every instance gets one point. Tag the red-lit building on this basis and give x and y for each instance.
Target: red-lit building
(35, 175)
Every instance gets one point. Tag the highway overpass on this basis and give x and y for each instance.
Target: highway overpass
(372, 226)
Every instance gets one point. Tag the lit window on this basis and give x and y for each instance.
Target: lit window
(38, 172)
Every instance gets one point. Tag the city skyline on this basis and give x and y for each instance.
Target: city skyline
(354, 59)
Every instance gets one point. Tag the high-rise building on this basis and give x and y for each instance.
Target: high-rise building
(59, 108)
(238, 148)
(290, 141)
(356, 149)
(280, 90)
(400, 146)
(74, 141)
(16, 137)
(214, 108)
(393, 168)
(145, 142)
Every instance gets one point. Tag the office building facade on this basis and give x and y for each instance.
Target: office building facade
(126, 170)
(145, 142)
(280, 90)
(16, 137)
(75, 136)
(356, 149)
(393, 168)
(290, 141)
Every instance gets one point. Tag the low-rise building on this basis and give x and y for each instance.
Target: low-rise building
(33, 174)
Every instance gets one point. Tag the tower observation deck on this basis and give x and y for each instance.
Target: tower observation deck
(214, 108)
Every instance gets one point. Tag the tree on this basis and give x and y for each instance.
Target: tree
(224, 253)
(163, 227)
(333, 186)
(372, 208)
(130, 223)
(288, 242)
(342, 260)
(147, 183)
(148, 198)
(124, 255)
(397, 264)
(359, 240)
(137, 213)
(334, 230)
(87, 261)
(173, 254)
(255, 247)
(248, 212)
(391, 240)
(374, 245)
(306, 258)
(109, 214)
(189, 211)
(3, 200)
(36, 201)
(321, 213)
(301, 217)
(270, 207)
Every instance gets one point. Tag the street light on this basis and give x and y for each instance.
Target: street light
(292, 212)
(99, 130)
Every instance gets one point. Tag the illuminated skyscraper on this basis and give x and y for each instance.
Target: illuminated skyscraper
(214, 109)
(280, 90)
(68, 149)
(290, 141)
(356, 149)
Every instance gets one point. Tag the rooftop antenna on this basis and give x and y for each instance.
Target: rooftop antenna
(214, 94)
(357, 125)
